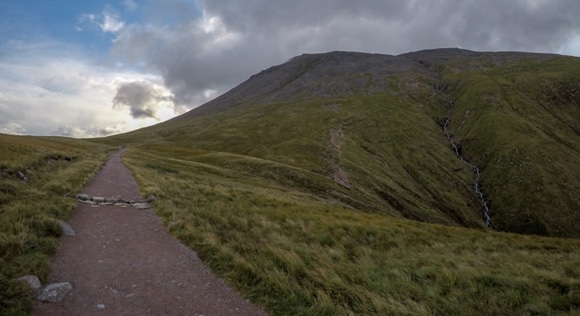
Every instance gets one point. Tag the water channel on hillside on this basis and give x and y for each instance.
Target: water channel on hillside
(476, 170)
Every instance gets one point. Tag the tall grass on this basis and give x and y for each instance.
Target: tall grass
(30, 209)
(295, 254)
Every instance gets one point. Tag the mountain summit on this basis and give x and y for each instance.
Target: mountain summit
(449, 136)
(339, 73)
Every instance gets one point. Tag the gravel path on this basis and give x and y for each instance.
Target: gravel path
(123, 262)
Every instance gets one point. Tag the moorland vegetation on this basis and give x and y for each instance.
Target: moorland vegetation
(326, 185)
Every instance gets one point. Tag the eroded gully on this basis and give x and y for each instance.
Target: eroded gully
(476, 170)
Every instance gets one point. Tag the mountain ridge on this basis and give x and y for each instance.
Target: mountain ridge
(268, 80)
(390, 111)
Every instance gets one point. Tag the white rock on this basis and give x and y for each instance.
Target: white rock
(66, 229)
(54, 292)
(98, 199)
(32, 281)
(141, 205)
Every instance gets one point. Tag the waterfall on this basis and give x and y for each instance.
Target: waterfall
(476, 170)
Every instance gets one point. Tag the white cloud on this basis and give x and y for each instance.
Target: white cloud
(571, 47)
(50, 95)
(11, 128)
(111, 24)
(107, 21)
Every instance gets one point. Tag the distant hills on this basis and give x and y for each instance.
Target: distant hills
(376, 133)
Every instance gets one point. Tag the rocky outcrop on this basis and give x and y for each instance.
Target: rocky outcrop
(116, 201)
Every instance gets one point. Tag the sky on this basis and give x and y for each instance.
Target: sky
(95, 68)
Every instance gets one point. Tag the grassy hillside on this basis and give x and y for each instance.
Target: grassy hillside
(380, 148)
(326, 186)
(35, 175)
(297, 186)
(295, 253)
(521, 123)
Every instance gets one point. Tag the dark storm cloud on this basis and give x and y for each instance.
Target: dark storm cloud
(399, 26)
(141, 98)
(220, 43)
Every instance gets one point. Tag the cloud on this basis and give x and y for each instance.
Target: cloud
(78, 132)
(44, 93)
(111, 24)
(108, 21)
(399, 26)
(193, 58)
(13, 128)
(221, 43)
(142, 98)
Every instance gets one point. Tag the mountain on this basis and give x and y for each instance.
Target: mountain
(405, 135)
(346, 184)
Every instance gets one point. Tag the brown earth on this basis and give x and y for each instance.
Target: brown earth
(123, 262)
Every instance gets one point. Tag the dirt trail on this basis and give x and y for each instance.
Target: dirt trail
(124, 259)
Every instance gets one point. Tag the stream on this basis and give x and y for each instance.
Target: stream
(476, 171)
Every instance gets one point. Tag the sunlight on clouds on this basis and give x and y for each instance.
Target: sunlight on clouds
(11, 128)
(210, 93)
(571, 47)
(217, 30)
(52, 96)
(165, 113)
(211, 24)
(111, 24)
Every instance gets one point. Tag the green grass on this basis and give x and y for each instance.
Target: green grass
(395, 168)
(521, 123)
(30, 210)
(254, 191)
(296, 254)
(352, 203)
